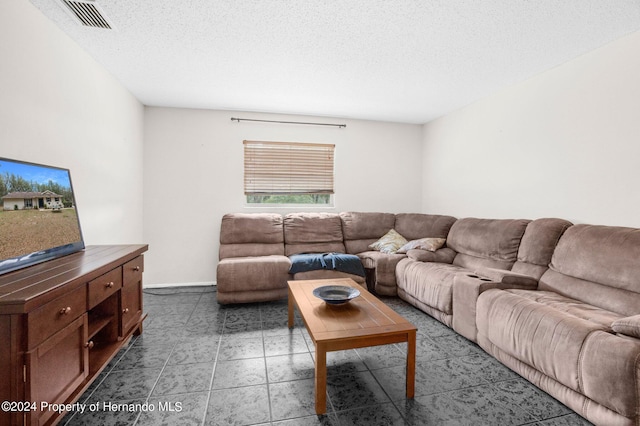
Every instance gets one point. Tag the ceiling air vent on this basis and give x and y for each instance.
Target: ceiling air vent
(88, 13)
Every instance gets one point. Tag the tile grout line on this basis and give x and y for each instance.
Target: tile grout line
(166, 362)
(213, 373)
(264, 360)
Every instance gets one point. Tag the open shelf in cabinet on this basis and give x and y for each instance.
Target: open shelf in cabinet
(98, 322)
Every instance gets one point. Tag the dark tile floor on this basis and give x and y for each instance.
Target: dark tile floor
(200, 363)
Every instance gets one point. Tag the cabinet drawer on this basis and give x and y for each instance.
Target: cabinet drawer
(133, 271)
(104, 286)
(55, 315)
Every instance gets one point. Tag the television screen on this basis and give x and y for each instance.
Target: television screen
(38, 216)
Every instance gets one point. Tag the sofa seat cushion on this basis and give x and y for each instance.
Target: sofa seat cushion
(551, 335)
(570, 306)
(370, 259)
(542, 336)
(430, 283)
(252, 273)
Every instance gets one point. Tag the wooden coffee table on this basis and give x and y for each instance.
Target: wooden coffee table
(364, 321)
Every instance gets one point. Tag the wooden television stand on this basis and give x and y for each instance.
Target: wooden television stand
(61, 322)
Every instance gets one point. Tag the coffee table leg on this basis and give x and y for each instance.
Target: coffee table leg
(321, 379)
(290, 304)
(411, 364)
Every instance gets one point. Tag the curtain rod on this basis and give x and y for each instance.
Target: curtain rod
(289, 122)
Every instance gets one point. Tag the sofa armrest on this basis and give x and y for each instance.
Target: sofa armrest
(629, 326)
(609, 371)
(467, 287)
(508, 278)
(385, 283)
(443, 255)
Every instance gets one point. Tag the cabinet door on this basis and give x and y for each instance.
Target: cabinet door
(131, 294)
(56, 367)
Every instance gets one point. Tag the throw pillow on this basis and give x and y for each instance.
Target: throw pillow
(429, 244)
(389, 243)
(629, 326)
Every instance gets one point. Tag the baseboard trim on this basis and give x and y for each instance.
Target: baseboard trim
(195, 284)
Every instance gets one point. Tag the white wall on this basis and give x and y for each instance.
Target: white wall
(565, 143)
(196, 158)
(59, 107)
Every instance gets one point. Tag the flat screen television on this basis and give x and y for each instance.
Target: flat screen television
(38, 215)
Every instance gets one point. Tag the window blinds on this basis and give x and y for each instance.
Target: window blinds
(288, 168)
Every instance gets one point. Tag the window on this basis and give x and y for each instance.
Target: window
(288, 172)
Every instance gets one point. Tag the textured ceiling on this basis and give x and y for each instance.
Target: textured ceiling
(401, 60)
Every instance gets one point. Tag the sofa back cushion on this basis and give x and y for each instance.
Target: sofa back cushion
(361, 229)
(486, 243)
(313, 233)
(537, 246)
(251, 234)
(599, 266)
(413, 226)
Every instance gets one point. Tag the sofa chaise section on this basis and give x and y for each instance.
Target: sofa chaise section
(576, 336)
(252, 264)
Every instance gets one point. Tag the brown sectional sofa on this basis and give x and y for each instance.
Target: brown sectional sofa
(557, 303)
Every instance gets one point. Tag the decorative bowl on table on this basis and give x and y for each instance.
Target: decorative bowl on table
(336, 294)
